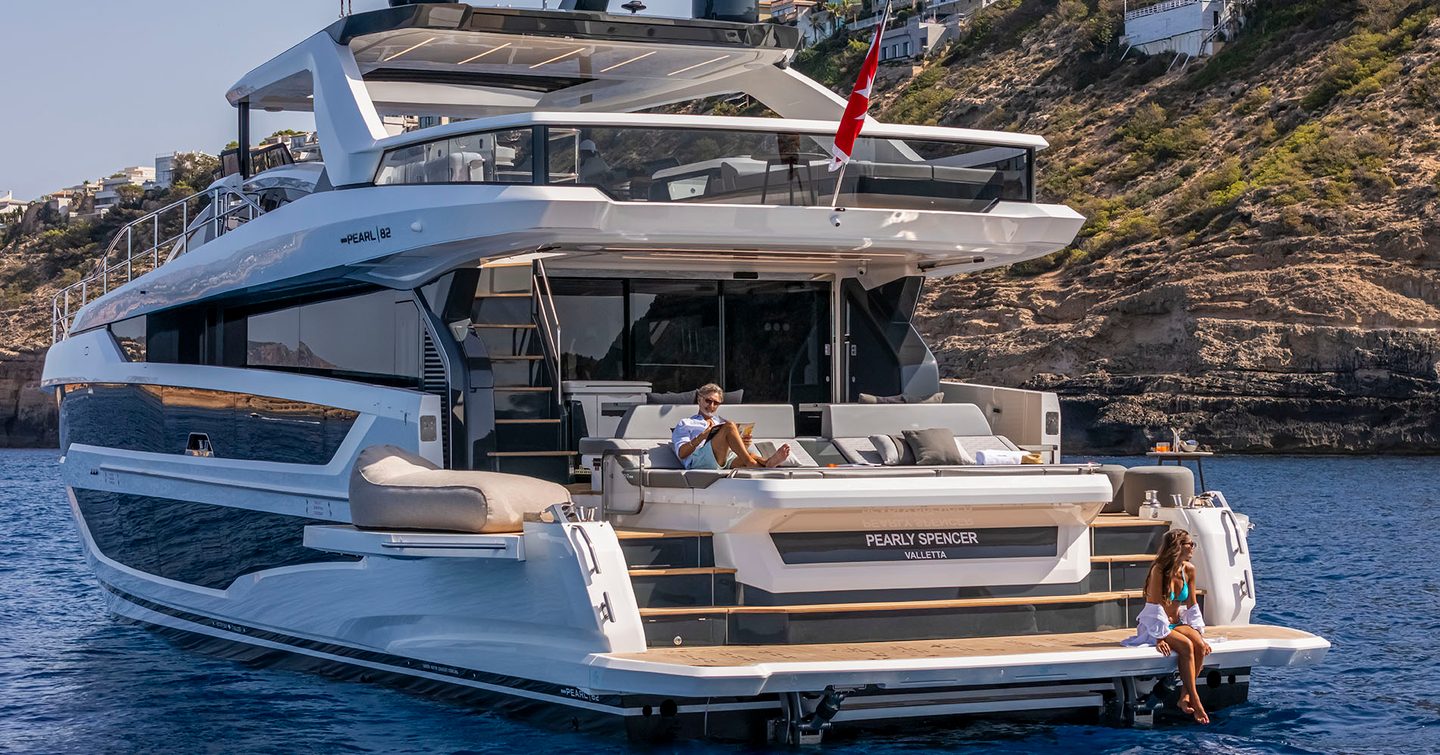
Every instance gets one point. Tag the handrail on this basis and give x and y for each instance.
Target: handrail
(225, 205)
(1159, 7)
(549, 322)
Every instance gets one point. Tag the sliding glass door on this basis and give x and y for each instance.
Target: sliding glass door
(767, 337)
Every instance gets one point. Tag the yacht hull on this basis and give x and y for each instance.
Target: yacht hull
(726, 692)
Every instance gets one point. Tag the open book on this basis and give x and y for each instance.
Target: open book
(746, 430)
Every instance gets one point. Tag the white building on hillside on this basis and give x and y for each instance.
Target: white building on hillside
(9, 204)
(109, 194)
(915, 39)
(1184, 27)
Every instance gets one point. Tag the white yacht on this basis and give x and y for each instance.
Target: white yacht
(407, 412)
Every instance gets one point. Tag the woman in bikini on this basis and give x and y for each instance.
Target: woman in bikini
(1171, 619)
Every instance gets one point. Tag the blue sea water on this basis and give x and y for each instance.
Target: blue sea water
(1344, 547)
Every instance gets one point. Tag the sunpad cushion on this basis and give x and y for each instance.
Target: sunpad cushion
(391, 488)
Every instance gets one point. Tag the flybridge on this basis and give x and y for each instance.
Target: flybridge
(457, 60)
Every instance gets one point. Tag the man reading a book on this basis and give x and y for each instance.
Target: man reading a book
(706, 441)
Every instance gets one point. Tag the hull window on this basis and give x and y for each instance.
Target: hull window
(129, 335)
(197, 543)
(163, 419)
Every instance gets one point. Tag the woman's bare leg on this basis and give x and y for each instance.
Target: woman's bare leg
(1200, 650)
(1185, 659)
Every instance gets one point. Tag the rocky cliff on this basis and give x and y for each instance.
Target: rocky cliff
(1262, 261)
(27, 414)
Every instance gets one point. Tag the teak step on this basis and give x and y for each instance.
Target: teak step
(889, 621)
(644, 534)
(1123, 557)
(680, 571)
(667, 549)
(1121, 535)
(1125, 520)
(684, 587)
(913, 605)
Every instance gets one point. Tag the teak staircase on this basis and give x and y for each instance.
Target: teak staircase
(509, 316)
(685, 599)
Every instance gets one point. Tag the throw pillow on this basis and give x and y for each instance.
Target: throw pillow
(934, 446)
(885, 446)
(934, 398)
(736, 396)
(893, 450)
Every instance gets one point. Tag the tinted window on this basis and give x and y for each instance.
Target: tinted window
(374, 334)
(592, 327)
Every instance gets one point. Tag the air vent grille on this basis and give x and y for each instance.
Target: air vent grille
(432, 381)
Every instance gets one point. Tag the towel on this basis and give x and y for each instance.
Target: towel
(1153, 624)
(999, 456)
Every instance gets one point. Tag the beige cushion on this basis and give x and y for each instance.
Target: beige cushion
(391, 488)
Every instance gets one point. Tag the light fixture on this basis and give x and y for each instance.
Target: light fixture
(628, 62)
(575, 51)
(697, 65)
(483, 54)
(411, 48)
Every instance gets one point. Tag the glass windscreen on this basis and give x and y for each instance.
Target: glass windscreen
(490, 157)
(639, 164)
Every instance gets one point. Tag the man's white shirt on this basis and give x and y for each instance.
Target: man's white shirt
(690, 428)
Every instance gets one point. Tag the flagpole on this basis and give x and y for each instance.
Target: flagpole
(871, 64)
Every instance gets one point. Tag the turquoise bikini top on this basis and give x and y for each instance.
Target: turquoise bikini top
(1184, 592)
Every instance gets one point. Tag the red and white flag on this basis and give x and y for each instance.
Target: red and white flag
(859, 104)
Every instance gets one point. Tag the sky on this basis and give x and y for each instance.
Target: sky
(91, 86)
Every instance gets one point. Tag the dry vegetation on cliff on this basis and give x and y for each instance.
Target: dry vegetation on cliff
(1261, 262)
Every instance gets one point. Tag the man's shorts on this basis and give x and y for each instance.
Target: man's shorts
(704, 458)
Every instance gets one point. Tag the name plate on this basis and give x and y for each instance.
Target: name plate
(916, 545)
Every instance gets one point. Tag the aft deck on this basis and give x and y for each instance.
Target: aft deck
(972, 647)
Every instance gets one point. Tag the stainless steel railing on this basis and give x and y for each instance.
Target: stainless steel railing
(548, 320)
(169, 231)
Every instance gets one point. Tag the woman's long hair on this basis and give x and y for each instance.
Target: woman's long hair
(1168, 559)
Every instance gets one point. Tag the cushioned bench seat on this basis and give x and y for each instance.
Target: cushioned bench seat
(850, 427)
(648, 427)
(700, 479)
